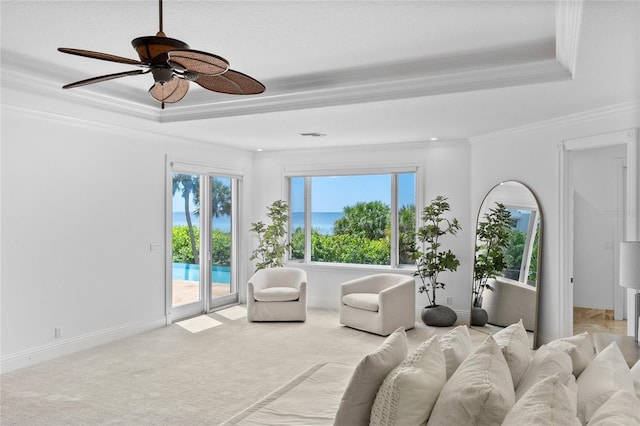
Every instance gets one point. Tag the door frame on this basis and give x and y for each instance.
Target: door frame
(208, 170)
(629, 138)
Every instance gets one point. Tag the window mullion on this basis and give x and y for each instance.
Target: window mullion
(393, 255)
(307, 219)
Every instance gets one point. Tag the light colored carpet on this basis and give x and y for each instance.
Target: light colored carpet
(172, 376)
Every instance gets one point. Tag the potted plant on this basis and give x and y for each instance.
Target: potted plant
(272, 239)
(431, 259)
(492, 237)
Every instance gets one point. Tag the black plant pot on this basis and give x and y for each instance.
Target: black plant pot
(438, 316)
(479, 317)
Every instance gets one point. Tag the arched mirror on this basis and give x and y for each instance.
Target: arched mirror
(506, 276)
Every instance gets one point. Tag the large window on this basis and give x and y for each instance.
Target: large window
(360, 219)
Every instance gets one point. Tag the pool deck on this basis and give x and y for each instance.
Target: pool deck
(189, 291)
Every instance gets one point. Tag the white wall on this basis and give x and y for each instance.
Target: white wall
(594, 177)
(444, 170)
(81, 205)
(533, 158)
(82, 202)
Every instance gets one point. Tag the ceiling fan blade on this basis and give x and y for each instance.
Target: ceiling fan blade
(103, 78)
(200, 62)
(100, 55)
(169, 92)
(231, 82)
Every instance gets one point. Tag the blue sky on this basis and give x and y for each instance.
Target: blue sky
(332, 194)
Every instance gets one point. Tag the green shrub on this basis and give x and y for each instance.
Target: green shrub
(220, 246)
(182, 252)
(349, 248)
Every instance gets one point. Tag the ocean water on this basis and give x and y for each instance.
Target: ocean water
(222, 223)
(322, 222)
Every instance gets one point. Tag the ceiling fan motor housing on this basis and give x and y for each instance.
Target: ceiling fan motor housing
(151, 46)
(162, 74)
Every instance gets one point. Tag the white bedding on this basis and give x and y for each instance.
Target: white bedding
(312, 398)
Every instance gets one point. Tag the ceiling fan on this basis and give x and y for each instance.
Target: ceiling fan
(173, 65)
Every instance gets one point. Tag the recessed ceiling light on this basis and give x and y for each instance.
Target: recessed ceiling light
(434, 139)
(313, 134)
(259, 149)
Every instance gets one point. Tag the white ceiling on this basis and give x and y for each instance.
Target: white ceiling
(363, 72)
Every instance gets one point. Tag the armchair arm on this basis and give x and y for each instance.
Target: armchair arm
(257, 282)
(358, 285)
(401, 292)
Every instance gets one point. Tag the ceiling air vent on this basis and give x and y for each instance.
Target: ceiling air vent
(313, 134)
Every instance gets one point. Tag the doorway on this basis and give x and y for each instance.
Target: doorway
(628, 138)
(202, 229)
(598, 200)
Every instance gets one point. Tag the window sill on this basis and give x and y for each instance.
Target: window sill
(326, 266)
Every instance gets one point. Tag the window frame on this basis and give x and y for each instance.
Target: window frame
(527, 250)
(393, 171)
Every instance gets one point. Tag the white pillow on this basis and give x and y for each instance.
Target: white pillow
(358, 397)
(548, 402)
(479, 392)
(578, 347)
(456, 346)
(516, 348)
(409, 392)
(635, 375)
(623, 408)
(545, 363)
(606, 374)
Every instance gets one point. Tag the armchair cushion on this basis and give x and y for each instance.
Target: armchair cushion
(277, 294)
(367, 301)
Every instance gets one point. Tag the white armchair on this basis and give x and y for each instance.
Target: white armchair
(509, 302)
(277, 294)
(379, 303)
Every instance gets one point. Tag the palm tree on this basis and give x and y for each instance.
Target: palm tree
(371, 219)
(220, 197)
(188, 185)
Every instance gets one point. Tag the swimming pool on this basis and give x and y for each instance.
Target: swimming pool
(190, 272)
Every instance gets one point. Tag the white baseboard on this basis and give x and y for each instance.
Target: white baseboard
(68, 346)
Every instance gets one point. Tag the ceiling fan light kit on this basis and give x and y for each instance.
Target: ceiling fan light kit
(173, 65)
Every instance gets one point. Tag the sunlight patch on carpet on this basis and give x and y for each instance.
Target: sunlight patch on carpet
(198, 324)
(233, 313)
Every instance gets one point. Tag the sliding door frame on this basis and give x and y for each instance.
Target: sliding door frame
(206, 172)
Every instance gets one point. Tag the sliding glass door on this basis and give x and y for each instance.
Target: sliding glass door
(203, 241)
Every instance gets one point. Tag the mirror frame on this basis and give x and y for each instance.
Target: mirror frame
(539, 256)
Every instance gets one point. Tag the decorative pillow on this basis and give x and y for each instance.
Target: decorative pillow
(456, 346)
(409, 392)
(578, 347)
(606, 374)
(548, 402)
(623, 408)
(635, 375)
(479, 392)
(516, 349)
(358, 397)
(545, 363)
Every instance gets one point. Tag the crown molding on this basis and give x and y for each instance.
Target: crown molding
(568, 20)
(466, 71)
(578, 118)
